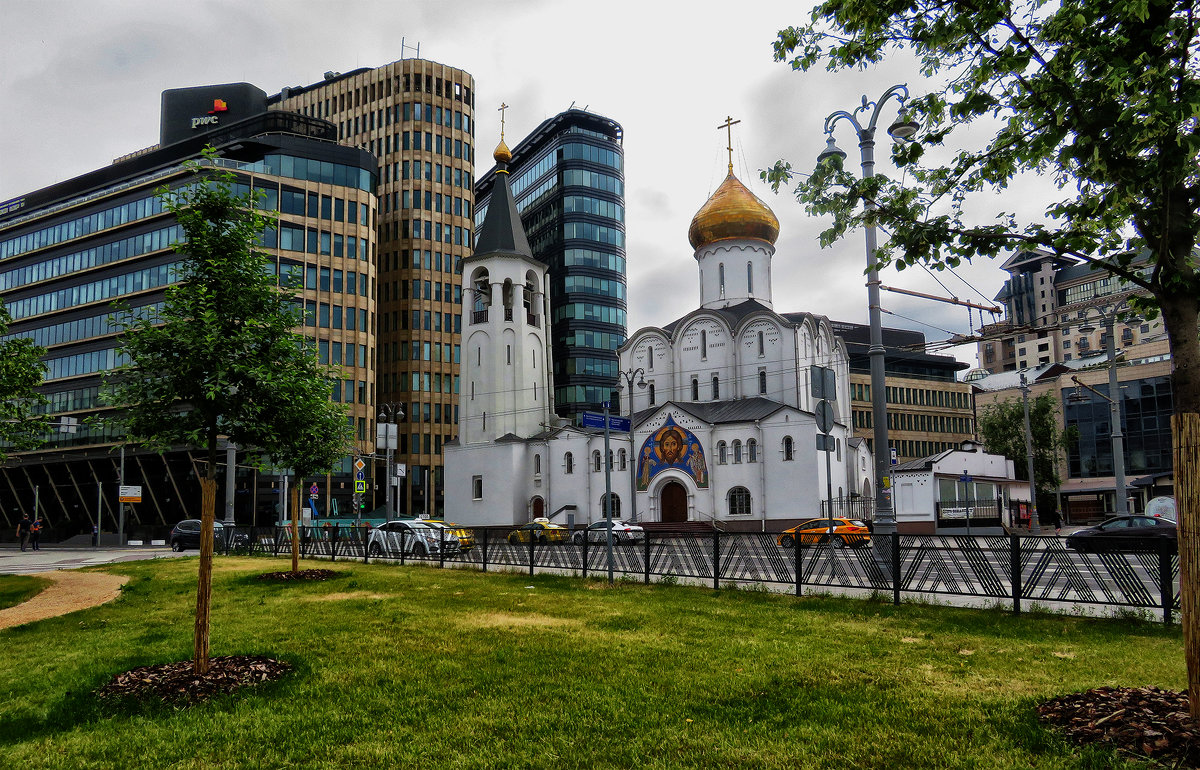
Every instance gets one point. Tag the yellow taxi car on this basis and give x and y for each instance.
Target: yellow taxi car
(852, 532)
(466, 537)
(541, 530)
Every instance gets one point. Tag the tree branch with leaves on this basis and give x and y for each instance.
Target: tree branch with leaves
(1099, 97)
(222, 359)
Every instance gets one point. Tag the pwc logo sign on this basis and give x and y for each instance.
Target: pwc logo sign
(211, 118)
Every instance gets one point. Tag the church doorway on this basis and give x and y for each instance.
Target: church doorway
(539, 507)
(673, 502)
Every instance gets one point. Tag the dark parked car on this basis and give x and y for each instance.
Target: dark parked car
(186, 534)
(1126, 533)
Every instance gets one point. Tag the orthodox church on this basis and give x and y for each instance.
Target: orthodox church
(723, 412)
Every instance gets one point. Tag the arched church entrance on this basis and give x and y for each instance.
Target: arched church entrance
(539, 507)
(672, 502)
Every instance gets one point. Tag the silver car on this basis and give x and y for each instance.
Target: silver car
(415, 538)
(623, 532)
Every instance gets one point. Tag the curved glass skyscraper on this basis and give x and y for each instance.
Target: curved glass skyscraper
(569, 183)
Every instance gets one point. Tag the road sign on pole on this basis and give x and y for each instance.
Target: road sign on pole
(359, 464)
(130, 494)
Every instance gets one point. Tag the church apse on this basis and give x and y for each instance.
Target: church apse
(671, 446)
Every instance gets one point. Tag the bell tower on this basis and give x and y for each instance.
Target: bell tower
(506, 369)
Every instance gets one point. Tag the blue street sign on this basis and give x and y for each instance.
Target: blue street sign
(359, 475)
(594, 420)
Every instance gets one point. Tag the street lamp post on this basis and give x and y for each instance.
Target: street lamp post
(1034, 525)
(1108, 314)
(389, 414)
(628, 378)
(901, 130)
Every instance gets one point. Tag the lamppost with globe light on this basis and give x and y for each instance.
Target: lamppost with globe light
(903, 129)
(628, 378)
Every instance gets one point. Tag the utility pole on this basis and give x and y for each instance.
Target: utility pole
(1034, 526)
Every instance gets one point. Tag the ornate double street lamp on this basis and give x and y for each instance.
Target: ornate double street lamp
(901, 130)
(390, 413)
(1108, 314)
(628, 378)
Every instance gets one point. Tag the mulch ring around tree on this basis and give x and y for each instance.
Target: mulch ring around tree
(178, 683)
(1141, 721)
(304, 574)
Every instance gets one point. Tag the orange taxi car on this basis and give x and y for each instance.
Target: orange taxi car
(852, 532)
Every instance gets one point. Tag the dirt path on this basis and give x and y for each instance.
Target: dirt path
(69, 591)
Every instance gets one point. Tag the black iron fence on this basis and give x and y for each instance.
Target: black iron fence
(1007, 570)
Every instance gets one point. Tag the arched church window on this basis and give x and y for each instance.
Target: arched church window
(695, 389)
(621, 459)
(569, 462)
(838, 444)
(596, 461)
(652, 394)
(750, 279)
(537, 465)
(650, 358)
(616, 505)
(739, 501)
(703, 344)
(610, 459)
(752, 451)
(789, 450)
(762, 348)
(722, 453)
(737, 451)
(762, 382)
(716, 385)
(721, 277)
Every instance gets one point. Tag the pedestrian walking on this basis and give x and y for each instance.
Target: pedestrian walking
(23, 529)
(1056, 520)
(35, 533)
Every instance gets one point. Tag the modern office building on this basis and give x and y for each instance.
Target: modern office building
(1044, 300)
(568, 180)
(1055, 329)
(929, 410)
(69, 250)
(418, 118)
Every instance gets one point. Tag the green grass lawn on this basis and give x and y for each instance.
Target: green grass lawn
(15, 589)
(420, 667)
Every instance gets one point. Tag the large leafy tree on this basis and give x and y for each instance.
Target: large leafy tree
(1100, 97)
(21, 371)
(1002, 428)
(222, 359)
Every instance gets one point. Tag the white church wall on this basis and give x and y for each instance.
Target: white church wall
(762, 348)
(501, 469)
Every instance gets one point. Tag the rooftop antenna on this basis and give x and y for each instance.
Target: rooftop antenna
(416, 48)
(572, 105)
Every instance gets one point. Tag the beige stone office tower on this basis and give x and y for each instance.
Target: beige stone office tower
(418, 118)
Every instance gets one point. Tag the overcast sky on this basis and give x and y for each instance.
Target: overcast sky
(80, 84)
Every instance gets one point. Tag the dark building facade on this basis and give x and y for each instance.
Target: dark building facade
(929, 410)
(69, 250)
(568, 180)
(418, 118)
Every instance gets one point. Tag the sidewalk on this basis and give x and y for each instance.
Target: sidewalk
(14, 561)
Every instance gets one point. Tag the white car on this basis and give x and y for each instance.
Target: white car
(416, 538)
(622, 533)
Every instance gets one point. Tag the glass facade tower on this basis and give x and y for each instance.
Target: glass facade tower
(569, 184)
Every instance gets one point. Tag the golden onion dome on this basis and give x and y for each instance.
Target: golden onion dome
(733, 212)
(502, 154)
